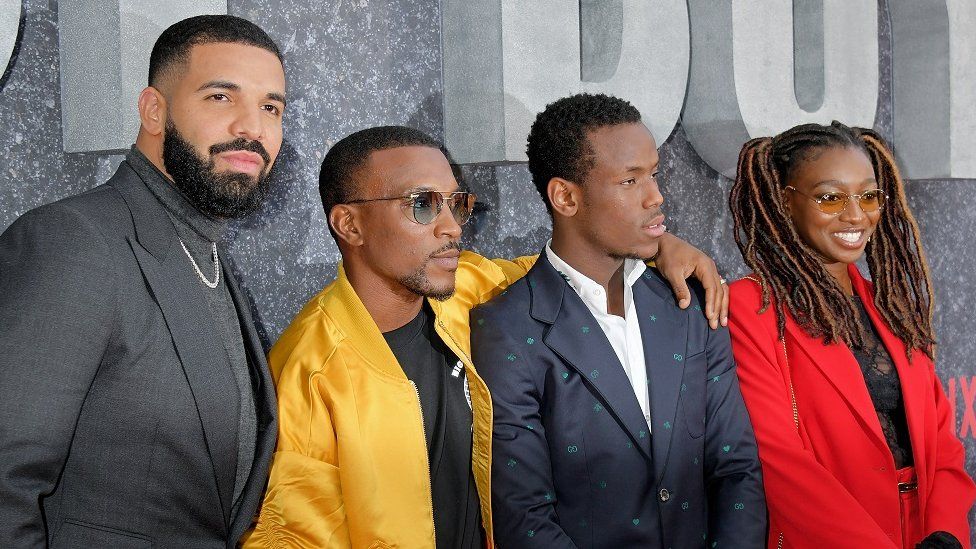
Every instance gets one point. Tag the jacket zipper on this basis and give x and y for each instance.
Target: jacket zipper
(454, 341)
(779, 543)
(430, 484)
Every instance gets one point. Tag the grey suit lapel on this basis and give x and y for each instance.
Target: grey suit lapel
(179, 294)
(664, 333)
(267, 407)
(578, 339)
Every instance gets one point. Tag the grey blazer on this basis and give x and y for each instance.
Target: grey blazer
(118, 406)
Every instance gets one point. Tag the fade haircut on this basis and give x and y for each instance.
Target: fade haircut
(341, 165)
(173, 46)
(558, 145)
(793, 279)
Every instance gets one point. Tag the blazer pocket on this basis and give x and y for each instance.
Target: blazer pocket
(693, 394)
(76, 534)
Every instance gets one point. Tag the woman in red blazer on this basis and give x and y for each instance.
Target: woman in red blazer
(855, 434)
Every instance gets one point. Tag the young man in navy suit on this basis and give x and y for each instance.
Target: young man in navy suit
(618, 418)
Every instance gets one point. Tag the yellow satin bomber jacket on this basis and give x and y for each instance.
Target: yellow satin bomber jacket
(350, 469)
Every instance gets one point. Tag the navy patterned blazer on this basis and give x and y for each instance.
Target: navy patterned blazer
(574, 463)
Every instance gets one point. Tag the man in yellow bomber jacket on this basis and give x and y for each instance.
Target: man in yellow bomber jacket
(385, 426)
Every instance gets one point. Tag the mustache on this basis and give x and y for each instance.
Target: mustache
(241, 144)
(453, 245)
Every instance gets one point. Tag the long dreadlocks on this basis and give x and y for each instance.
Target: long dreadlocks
(789, 270)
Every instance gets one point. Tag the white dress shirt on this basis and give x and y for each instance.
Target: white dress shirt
(623, 333)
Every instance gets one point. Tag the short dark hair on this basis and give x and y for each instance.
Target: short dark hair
(558, 145)
(337, 178)
(174, 44)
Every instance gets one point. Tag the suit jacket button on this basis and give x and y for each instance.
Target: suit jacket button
(664, 494)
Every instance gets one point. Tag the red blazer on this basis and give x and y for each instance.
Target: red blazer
(828, 472)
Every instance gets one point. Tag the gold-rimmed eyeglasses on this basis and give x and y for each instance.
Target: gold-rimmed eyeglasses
(835, 202)
(425, 206)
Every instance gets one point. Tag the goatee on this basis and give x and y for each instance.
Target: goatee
(215, 193)
(419, 283)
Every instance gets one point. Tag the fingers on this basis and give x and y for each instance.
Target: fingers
(714, 290)
(707, 272)
(725, 304)
(676, 279)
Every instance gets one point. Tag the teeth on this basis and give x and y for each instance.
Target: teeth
(851, 237)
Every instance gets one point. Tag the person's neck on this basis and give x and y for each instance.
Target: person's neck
(391, 306)
(596, 265)
(839, 272)
(152, 149)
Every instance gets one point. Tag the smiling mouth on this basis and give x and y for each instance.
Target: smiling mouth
(851, 238)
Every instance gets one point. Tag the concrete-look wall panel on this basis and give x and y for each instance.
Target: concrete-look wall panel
(545, 52)
(104, 46)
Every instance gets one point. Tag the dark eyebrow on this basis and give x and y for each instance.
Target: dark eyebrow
(836, 182)
(632, 169)
(275, 96)
(230, 86)
(220, 85)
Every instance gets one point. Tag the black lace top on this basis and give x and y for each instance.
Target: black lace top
(881, 377)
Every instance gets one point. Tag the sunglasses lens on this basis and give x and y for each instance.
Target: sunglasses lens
(462, 204)
(426, 206)
(872, 200)
(832, 203)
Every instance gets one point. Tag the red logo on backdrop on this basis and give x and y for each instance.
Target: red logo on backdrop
(961, 393)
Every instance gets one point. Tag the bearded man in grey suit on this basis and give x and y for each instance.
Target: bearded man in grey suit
(136, 408)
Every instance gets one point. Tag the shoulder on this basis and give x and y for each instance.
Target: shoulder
(309, 340)
(746, 306)
(76, 238)
(654, 279)
(745, 294)
(73, 218)
(514, 300)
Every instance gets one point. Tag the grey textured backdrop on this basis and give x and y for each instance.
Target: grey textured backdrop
(356, 63)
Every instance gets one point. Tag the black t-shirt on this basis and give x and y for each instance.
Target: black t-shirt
(439, 378)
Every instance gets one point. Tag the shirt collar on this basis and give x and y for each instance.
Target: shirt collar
(178, 206)
(585, 286)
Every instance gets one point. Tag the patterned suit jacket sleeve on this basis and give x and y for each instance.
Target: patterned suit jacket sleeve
(521, 479)
(733, 477)
(57, 309)
(826, 515)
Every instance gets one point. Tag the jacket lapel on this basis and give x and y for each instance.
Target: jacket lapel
(364, 335)
(577, 338)
(261, 376)
(664, 333)
(179, 293)
(267, 407)
(913, 377)
(840, 369)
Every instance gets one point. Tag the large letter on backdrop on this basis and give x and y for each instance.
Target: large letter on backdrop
(9, 29)
(746, 81)
(105, 49)
(934, 87)
(504, 60)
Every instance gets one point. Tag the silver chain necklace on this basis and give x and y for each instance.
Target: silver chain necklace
(216, 262)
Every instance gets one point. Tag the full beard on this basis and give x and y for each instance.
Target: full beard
(215, 193)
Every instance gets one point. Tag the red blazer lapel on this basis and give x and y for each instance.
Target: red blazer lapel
(913, 376)
(840, 369)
